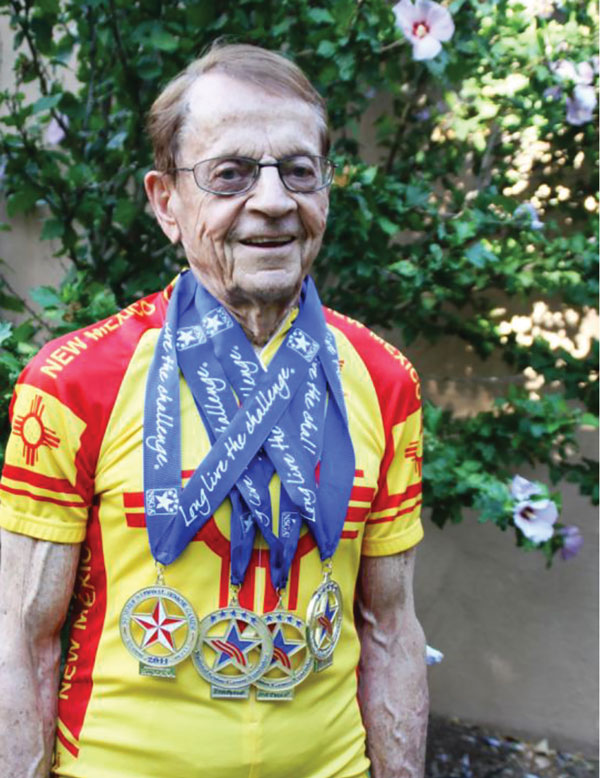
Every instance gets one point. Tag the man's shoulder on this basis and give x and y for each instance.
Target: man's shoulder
(88, 359)
(385, 363)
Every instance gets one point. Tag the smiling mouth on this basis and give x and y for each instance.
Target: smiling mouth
(269, 242)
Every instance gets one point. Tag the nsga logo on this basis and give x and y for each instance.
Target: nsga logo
(33, 432)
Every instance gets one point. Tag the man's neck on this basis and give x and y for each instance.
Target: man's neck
(259, 319)
(260, 322)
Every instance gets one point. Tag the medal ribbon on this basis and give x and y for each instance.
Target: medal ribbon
(289, 423)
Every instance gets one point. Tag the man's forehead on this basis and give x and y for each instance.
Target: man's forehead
(220, 108)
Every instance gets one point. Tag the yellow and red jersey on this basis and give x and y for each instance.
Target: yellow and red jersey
(73, 473)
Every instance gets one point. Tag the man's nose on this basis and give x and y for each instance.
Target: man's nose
(269, 195)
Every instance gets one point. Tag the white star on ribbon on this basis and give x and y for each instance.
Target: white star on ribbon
(165, 502)
(185, 337)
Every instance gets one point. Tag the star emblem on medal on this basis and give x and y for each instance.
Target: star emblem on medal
(283, 649)
(232, 648)
(158, 626)
(325, 617)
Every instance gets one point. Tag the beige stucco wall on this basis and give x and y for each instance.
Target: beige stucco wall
(520, 641)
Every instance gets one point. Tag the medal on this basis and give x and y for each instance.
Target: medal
(159, 628)
(324, 620)
(291, 661)
(234, 649)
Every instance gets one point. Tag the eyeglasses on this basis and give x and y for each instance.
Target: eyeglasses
(226, 176)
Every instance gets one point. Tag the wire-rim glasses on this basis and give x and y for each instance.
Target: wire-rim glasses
(232, 175)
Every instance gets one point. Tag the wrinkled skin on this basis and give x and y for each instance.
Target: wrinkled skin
(257, 284)
(392, 681)
(36, 581)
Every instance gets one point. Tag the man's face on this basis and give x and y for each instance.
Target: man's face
(222, 236)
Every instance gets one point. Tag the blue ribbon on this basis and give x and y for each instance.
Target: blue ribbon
(258, 421)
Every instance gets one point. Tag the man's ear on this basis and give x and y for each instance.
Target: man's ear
(160, 190)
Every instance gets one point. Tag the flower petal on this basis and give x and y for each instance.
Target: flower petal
(426, 48)
(572, 543)
(438, 20)
(546, 510)
(585, 96)
(585, 73)
(577, 114)
(564, 69)
(535, 519)
(406, 15)
(522, 488)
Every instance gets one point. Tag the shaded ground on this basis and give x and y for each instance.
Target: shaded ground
(459, 750)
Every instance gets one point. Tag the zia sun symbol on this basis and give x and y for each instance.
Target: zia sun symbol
(33, 432)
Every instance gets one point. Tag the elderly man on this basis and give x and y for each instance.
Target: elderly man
(226, 476)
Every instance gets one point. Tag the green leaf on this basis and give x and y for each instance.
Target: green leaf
(5, 331)
(11, 303)
(327, 49)
(125, 212)
(46, 103)
(10, 361)
(589, 420)
(388, 226)
(45, 296)
(479, 256)
(163, 40)
(117, 141)
(53, 228)
(21, 201)
(320, 16)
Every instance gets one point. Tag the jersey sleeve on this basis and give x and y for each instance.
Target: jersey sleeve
(46, 487)
(394, 520)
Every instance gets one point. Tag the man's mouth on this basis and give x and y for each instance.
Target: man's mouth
(268, 241)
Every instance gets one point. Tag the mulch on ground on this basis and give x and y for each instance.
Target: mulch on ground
(456, 749)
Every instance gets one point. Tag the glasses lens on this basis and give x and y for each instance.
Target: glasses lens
(225, 175)
(304, 173)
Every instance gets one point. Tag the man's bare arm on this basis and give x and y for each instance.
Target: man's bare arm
(36, 582)
(392, 682)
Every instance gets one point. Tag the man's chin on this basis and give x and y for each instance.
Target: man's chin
(268, 289)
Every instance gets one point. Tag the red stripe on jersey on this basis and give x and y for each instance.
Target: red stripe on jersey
(69, 746)
(305, 546)
(43, 498)
(359, 473)
(86, 628)
(349, 534)
(357, 515)
(395, 500)
(37, 479)
(133, 499)
(135, 520)
(395, 516)
(362, 493)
